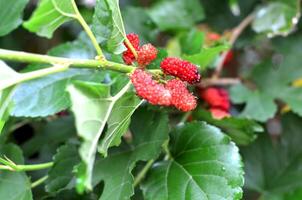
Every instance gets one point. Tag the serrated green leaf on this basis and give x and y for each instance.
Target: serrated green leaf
(176, 14)
(14, 185)
(206, 56)
(242, 131)
(94, 107)
(61, 176)
(205, 165)
(191, 42)
(11, 15)
(259, 106)
(49, 15)
(273, 168)
(149, 131)
(46, 96)
(108, 25)
(276, 18)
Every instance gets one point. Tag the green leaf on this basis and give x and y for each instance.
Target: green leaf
(191, 42)
(14, 185)
(176, 14)
(49, 15)
(61, 176)
(149, 131)
(94, 107)
(11, 15)
(206, 56)
(242, 131)
(259, 106)
(276, 18)
(205, 165)
(162, 54)
(273, 168)
(108, 25)
(46, 96)
(138, 21)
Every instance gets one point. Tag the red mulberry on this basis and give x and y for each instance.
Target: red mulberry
(146, 54)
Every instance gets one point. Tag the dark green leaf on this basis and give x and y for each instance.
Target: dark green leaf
(94, 107)
(242, 131)
(205, 165)
(191, 42)
(49, 15)
(61, 176)
(14, 185)
(11, 15)
(274, 169)
(150, 130)
(108, 25)
(176, 14)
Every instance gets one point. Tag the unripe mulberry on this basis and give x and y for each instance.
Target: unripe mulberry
(216, 97)
(146, 54)
(182, 99)
(182, 69)
(218, 113)
(128, 56)
(149, 89)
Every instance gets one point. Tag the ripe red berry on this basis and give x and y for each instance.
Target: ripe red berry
(229, 57)
(146, 54)
(218, 113)
(149, 89)
(213, 36)
(182, 99)
(216, 97)
(128, 56)
(184, 70)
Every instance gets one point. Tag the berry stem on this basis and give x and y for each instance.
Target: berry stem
(39, 181)
(87, 29)
(11, 166)
(141, 175)
(132, 49)
(235, 35)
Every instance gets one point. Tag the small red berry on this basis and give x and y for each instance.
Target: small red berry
(182, 99)
(213, 36)
(229, 57)
(216, 97)
(146, 54)
(218, 113)
(184, 70)
(149, 89)
(128, 56)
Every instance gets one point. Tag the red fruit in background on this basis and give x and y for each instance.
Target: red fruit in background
(184, 70)
(216, 97)
(182, 99)
(128, 56)
(146, 54)
(213, 36)
(149, 89)
(229, 57)
(218, 113)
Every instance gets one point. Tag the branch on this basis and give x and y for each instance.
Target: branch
(218, 82)
(235, 35)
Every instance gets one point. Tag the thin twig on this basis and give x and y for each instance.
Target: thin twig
(39, 181)
(235, 35)
(141, 175)
(218, 82)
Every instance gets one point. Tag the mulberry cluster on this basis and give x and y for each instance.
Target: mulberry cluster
(182, 69)
(145, 54)
(174, 92)
(218, 101)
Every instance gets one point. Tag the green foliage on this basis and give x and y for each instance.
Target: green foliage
(273, 170)
(49, 16)
(205, 165)
(14, 186)
(108, 25)
(94, 108)
(11, 15)
(276, 18)
(242, 131)
(150, 131)
(176, 14)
